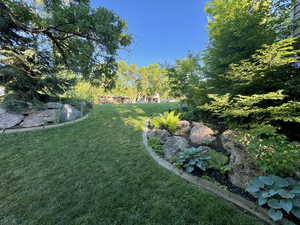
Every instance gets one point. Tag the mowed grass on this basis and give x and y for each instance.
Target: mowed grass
(98, 172)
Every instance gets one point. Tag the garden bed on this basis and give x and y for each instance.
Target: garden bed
(197, 151)
(47, 115)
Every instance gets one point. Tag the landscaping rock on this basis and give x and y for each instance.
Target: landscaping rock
(161, 134)
(54, 105)
(184, 123)
(184, 128)
(2, 110)
(243, 167)
(173, 145)
(40, 118)
(201, 134)
(9, 120)
(69, 113)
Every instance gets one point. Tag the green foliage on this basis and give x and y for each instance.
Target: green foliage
(85, 91)
(12, 104)
(168, 121)
(217, 160)
(236, 30)
(190, 158)
(38, 41)
(278, 193)
(275, 103)
(273, 153)
(156, 145)
(141, 82)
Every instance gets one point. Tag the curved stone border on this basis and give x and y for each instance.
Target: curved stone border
(10, 131)
(209, 186)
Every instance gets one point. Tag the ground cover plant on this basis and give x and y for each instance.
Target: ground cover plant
(98, 172)
(279, 194)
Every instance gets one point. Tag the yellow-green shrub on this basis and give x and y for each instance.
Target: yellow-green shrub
(168, 121)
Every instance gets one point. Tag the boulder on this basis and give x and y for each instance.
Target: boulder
(2, 110)
(184, 123)
(161, 134)
(9, 120)
(184, 128)
(173, 145)
(54, 105)
(243, 167)
(201, 134)
(69, 113)
(40, 118)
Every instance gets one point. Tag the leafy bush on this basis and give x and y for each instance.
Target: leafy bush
(273, 153)
(155, 144)
(278, 193)
(168, 121)
(263, 90)
(13, 104)
(217, 160)
(190, 158)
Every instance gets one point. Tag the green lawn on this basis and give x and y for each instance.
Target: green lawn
(97, 172)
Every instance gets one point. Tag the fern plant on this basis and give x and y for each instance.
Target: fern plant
(168, 121)
(278, 193)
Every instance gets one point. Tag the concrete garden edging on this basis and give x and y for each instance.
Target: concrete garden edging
(11, 131)
(237, 200)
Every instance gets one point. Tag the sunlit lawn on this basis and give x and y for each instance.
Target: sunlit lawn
(97, 172)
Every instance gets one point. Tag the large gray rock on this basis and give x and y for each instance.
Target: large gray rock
(201, 134)
(2, 110)
(9, 120)
(69, 113)
(40, 118)
(173, 145)
(161, 134)
(243, 167)
(54, 105)
(184, 128)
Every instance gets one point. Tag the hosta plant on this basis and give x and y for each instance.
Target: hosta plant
(168, 121)
(191, 158)
(280, 194)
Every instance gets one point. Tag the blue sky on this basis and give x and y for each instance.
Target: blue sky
(163, 30)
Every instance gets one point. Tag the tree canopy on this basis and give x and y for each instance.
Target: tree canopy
(40, 38)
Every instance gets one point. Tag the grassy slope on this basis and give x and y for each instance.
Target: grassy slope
(97, 172)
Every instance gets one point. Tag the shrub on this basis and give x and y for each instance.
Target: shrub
(168, 121)
(13, 104)
(190, 158)
(217, 161)
(278, 193)
(273, 153)
(263, 89)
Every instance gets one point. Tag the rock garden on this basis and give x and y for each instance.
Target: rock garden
(221, 158)
(47, 114)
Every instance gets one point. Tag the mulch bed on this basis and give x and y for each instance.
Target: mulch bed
(223, 179)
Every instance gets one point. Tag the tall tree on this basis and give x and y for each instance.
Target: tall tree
(38, 40)
(236, 30)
